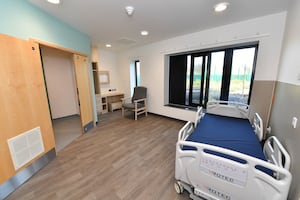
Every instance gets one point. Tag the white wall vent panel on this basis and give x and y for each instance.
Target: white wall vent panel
(25, 147)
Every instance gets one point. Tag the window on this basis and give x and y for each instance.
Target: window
(218, 74)
(240, 79)
(137, 73)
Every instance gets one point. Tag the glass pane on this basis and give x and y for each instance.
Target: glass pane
(198, 61)
(188, 75)
(242, 65)
(138, 73)
(216, 73)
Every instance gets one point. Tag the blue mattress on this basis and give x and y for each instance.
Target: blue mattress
(227, 132)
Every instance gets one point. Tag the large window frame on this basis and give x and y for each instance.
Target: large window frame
(181, 75)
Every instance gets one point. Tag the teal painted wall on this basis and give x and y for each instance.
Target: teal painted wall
(23, 20)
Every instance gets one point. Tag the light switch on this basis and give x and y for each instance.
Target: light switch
(294, 122)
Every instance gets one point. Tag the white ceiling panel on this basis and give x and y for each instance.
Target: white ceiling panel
(106, 21)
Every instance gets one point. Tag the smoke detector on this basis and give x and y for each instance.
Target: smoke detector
(129, 10)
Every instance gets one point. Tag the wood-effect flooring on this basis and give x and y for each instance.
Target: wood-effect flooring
(122, 159)
(66, 130)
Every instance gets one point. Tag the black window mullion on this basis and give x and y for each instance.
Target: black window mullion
(202, 80)
(226, 75)
(191, 80)
(253, 73)
(207, 79)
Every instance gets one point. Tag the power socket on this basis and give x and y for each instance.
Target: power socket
(294, 122)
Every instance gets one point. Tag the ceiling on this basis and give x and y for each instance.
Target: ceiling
(106, 21)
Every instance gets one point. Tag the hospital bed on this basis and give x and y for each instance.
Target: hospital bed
(219, 157)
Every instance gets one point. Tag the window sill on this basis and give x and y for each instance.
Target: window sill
(181, 107)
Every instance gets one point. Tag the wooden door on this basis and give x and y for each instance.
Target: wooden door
(23, 99)
(84, 91)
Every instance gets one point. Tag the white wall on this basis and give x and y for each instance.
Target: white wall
(108, 61)
(287, 98)
(61, 83)
(290, 60)
(268, 30)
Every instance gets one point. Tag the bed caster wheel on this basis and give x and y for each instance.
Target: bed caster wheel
(178, 187)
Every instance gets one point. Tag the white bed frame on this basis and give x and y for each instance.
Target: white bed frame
(199, 115)
(212, 177)
(258, 126)
(228, 108)
(231, 109)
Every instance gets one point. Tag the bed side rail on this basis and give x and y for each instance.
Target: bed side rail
(185, 131)
(228, 108)
(199, 115)
(258, 126)
(276, 153)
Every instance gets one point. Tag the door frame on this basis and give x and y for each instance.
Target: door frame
(74, 53)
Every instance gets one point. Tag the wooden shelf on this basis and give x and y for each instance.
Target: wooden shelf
(104, 104)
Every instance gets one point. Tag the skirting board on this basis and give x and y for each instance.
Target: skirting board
(21, 177)
(88, 126)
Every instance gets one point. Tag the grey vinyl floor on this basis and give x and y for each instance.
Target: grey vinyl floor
(66, 130)
(120, 159)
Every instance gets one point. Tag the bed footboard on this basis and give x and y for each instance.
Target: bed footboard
(212, 176)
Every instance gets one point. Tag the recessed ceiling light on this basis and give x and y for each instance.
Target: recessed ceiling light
(144, 33)
(221, 6)
(129, 10)
(108, 45)
(54, 1)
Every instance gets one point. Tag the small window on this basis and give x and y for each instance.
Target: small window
(137, 73)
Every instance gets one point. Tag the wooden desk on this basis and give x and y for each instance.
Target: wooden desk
(111, 101)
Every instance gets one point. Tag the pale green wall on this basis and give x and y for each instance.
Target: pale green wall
(23, 20)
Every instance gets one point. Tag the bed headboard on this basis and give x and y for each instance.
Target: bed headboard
(228, 108)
